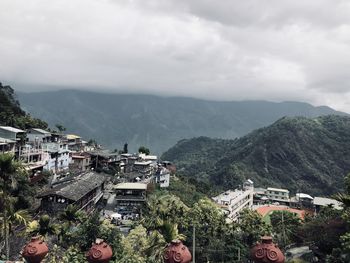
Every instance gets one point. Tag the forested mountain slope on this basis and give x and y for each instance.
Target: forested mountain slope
(301, 154)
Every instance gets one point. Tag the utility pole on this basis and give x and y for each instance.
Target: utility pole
(283, 230)
(194, 245)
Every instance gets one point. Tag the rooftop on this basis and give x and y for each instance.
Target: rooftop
(4, 141)
(229, 195)
(78, 187)
(323, 201)
(130, 186)
(11, 129)
(41, 131)
(277, 189)
(72, 137)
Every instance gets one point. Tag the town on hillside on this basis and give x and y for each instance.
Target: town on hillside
(118, 185)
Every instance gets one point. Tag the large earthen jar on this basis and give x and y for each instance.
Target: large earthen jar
(100, 252)
(35, 251)
(176, 252)
(267, 252)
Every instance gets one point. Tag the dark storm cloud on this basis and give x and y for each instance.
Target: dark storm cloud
(257, 49)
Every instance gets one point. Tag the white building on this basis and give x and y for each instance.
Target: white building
(320, 202)
(58, 156)
(163, 177)
(233, 202)
(277, 194)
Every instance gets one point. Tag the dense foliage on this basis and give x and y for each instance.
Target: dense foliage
(11, 113)
(309, 155)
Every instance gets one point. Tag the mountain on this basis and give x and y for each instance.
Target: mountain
(11, 113)
(156, 122)
(309, 155)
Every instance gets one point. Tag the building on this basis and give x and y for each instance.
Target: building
(277, 195)
(234, 201)
(37, 136)
(146, 168)
(58, 156)
(11, 133)
(130, 197)
(83, 191)
(320, 202)
(7, 145)
(75, 143)
(162, 177)
(80, 161)
(301, 200)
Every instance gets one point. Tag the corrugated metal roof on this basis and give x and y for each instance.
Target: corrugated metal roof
(11, 129)
(41, 131)
(323, 201)
(131, 186)
(6, 141)
(277, 189)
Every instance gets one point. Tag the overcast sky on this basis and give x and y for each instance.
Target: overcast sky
(215, 49)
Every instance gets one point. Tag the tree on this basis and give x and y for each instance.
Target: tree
(144, 150)
(43, 227)
(285, 225)
(252, 227)
(11, 172)
(60, 128)
(125, 149)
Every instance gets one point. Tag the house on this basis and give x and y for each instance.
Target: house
(130, 196)
(234, 201)
(58, 156)
(75, 143)
(7, 145)
(320, 202)
(277, 195)
(301, 200)
(37, 136)
(104, 159)
(146, 168)
(162, 177)
(83, 191)
(81, 161)
(11, 133)
(33, 159)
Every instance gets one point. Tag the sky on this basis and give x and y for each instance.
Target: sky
(273, 50)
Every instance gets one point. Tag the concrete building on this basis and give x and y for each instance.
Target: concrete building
(58, 156)
(162, 177)
(130, 197)
(11, 133)
(81, 161)
(7, 145)
(37, 136)
(277, 195)
(233, 202)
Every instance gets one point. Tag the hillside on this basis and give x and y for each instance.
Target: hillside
(11, 113)
(309, 155)
(156, 122)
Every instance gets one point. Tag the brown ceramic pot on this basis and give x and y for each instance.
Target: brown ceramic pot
(100, 252)
(267, 252)
(176, 252)
(35, 251)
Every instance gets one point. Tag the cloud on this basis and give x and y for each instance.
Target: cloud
(224, 50)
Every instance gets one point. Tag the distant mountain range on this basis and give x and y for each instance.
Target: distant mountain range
(297, 153)
(156, 122)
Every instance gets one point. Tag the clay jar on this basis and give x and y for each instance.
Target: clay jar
(35, 251)
(176, 252)
(266, 252)
(100, 252)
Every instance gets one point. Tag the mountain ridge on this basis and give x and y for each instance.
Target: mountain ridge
(153, 121)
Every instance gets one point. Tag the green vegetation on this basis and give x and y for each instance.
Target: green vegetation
(144, 150)
(309, 155)
(11, 113)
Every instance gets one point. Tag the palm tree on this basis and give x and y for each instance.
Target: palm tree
(10, 173)
(43, 227)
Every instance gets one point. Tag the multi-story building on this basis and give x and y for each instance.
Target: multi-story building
(58, 156)
(234, 201)
(277, 195)
(7, 145)
(37, 136)
(130, 196)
